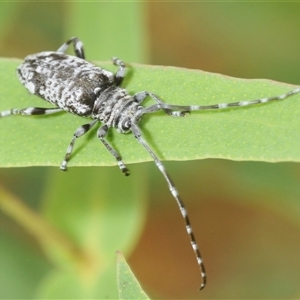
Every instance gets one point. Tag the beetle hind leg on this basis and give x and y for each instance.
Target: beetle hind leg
(77, 44)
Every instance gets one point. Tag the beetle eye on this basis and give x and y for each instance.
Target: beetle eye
(126, 124)
(97, 91)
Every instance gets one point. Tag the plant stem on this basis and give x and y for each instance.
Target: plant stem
(46, 234)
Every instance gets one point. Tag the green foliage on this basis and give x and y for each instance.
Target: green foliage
(128, 286)
(80, 218)
(266, 132)
(84, 217)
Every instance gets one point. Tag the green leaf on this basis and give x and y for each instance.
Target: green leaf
(128, 285)
(124, 37)
(99, 218)
(59, 284)
(6, 15)
(266, 132)
(16, 281)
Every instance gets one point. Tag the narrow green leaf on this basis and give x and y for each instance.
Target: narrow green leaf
(21, 268)
(109, 29)
(128, 285)
(99, 218)
(6, 16)
(268, 132)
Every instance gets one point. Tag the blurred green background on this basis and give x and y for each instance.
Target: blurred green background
(245, 215)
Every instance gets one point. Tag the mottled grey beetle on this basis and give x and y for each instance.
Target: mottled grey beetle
(74, 85)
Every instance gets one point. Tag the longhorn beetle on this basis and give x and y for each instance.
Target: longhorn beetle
(74, 85)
